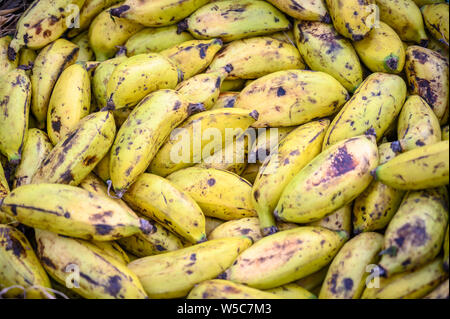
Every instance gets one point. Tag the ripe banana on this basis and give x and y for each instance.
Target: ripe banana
(294, 97)
(26, 59)
(4, 187)
(15, 97)
(174, 274)
(48, 66)
(440, 292)
(85, 53)
(292, 291)
(405, 18)
(112, 249)
(378, 203)
(155, 40)
(225, 289)
(101, 276)
(251, 171)
(295, 151)
(102, 168)
(256, 57)
(284, 257)
(284, 36)
(211, 224)
(225, 100)
(232, 20)
(439, 47)
(267, 142)
(339, 220)
(138, 76)
(237, 228)
(310, 10)
(6, 65)
(436, 18)
(219, 193)
(232, 85)
(446, 254)
(420, 168)
(331, 180)
(373, 107)
(428, 76)
(346, 277)
(193, 57)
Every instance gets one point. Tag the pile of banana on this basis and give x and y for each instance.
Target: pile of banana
(338, 183)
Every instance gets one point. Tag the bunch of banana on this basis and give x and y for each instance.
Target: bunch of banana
(292, 291)
(85, 53)
(339, 220)
(436, 17)
(225, 289)
(310, 10)
(5, 63)
(237, 228)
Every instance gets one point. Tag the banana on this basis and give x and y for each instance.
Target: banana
(69, 102)
(284, 36)
(294, 97)
(107, 32)
(82, 41)
(155, 40)
(15, 97)
(346, 277)
(138, 76)
(284, 257)
(420, 168)
(331, 180)
(292, 291)
(445, 133)
(211, 224)
(266, 143)
(26, 59)
(42, 23)
(174, 274)
(102, 168)
(6, 65)
(256, 57)
(79, 151)
(236, 228)
(378, 203)
(440, 292)
(250, 172)
(323, 49)
(232, 20)
(446, 243)
(161, 200)
(121, 115)
(4, 187)
(232, 85)
(195, 139)
(112, 249)
(220, 194)
(407, 285)
(193, 57)
(311, 282)
(373, 107)
(416, 232)
(101, 276)
(417, 125)
(143, 133)
(19, 264)
(428, 76)
(436, 18)
(339, 220)
(48, 66)
(90, 67)
(353, 18)
(225, 289)
(382, 50)
(439, 47)
(405, 18)
(295, 151)
(309, 10)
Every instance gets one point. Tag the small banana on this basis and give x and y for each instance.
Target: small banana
(174, 274)
(232, 85)
(237, 228)
(225, 289)
(416, 232)
(284, 36)
(15, 97)
(138, 76)
(69, 102)
(219, 193)
(193, 57)
(294, 97)
(4, 187)
(339, 220)
(82, 41)
(155, 40)
(373, 107)
(225, 100)
(445, 133)
(251, 171)
(331, 180)
(26, 59)
(440, 292)
(310, 10)
(436, 18)
(112, 249)
(420, 168)
(292, 291)
(102, 168)
(212, 223)
(256, 57)
(284, 257)
(446, 254)
(346, 277)
(6, 64)
(48, 66)
(121, 115)
(232, 20)
(313, 281)
(428, 76)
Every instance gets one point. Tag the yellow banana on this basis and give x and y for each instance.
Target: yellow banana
(420, 168)
(232, 85)
(378, 203)
(446, 254)
(251, 171)
(15, 97)
(102, 168)
(339, 220)
(6, 64)
(428, 76)
(445, 133)
(69, 102)
(284, 36)
(225, 100)
(232, 20)
(194, 139)
(48, 66)
(266, 142)
(436, 18)
(440, 292)
(112, 249)
(219, 193)
(373, 107)
(256, 57)
(4, 187)
(26, 59)
(331, 180)
(193, 57)
(85, 53)
(294, 97)
(90, 67)
(310, 10)
(100, 275)
(405, 18)
(121, 115)
(314, 280)
(143, 133)
(237, 228)
(346, 277)
(292, 291)
(295, 151)
(138, 76)
(211, 224)
(155, 40)
(284, 257)
(174, 274)
(439, 47)
(416, 232)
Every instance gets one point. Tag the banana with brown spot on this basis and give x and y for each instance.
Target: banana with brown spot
(26, 59)
(310, 10)
(6, 64)
(436, 18)
(85, 53)
(237, 228)
(339, 220)
(292, 291)
(440, 292)
(225, 100)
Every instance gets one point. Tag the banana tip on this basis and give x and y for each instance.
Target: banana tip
(117, 12)
(423, 43)
(182, 26)
(396, 147)
(195, 108)
(269, 230)
(254, 114)
(222, 276)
